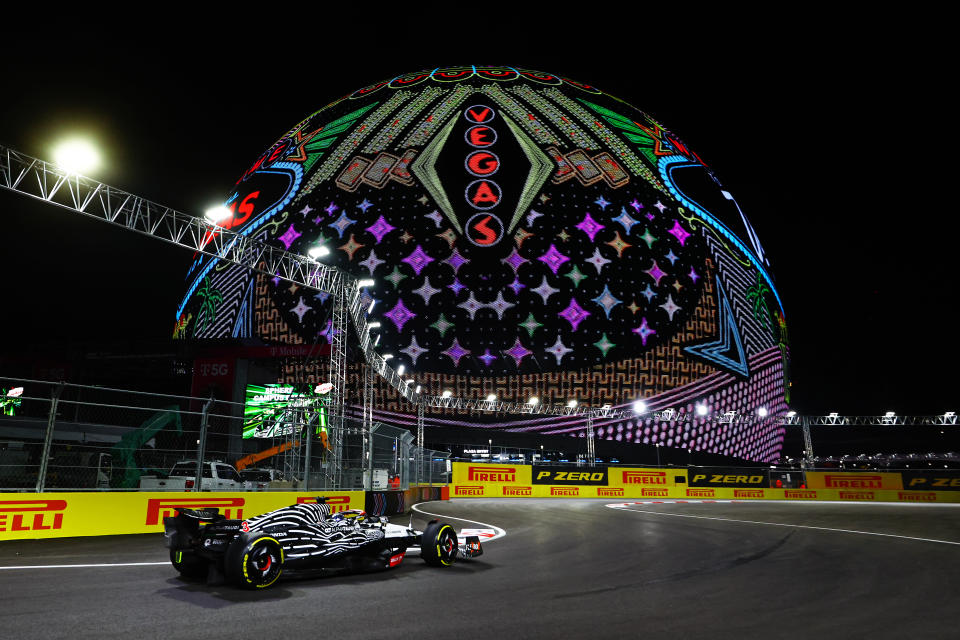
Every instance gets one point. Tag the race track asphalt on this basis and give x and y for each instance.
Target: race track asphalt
(565, 569)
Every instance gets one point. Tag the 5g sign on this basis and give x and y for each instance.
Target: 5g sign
(213, 369)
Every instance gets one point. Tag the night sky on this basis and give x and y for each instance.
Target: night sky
(833, 136)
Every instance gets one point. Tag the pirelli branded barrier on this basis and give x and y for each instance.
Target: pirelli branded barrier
(519, 481)
(58, 515)
(474, 480)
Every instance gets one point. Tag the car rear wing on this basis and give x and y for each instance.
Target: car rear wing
(183, 529)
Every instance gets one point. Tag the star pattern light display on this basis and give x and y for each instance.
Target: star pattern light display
(588, 235)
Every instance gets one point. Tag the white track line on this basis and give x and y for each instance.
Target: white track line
(85, 566)
(500, 532)
(781, 524)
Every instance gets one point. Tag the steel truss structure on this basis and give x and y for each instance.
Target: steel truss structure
(47, 182)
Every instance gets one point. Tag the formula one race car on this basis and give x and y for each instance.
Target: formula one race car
(302, 538)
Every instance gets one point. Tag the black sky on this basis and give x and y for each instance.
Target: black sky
(831, 130)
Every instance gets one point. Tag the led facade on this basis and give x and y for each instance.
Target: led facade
(528, 235)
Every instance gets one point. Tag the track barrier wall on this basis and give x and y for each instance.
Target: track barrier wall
(61, 515)
(476, 480)
(64, 515)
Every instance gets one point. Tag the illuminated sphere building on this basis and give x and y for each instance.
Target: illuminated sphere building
(528, 235)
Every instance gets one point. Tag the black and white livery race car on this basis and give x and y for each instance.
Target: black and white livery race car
(301, 538)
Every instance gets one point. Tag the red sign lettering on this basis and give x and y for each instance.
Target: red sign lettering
(481, 136)
(482, 163)
(12, 514)
(159, 508)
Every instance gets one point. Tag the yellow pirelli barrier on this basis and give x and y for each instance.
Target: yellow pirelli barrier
(478, 480)
(60, 515)
(518, 481)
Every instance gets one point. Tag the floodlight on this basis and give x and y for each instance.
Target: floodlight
(702, 410)
(446, 393)
(76, 156)
(762, 412)
(318, 251)
(639, 406)
(365, 283)
(216, 215)
(491, 397)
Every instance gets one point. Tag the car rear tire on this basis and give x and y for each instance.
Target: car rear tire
(254, 561)
(438, 545)
(187, 564)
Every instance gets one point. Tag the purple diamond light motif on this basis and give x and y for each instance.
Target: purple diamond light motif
(455, 352)
(514, 260)
(289, 236)
(516, 285)
(680, 233)
(518, 352)
(456, 260)
(400, 315)
(644, 331)
(457, 287)
(656, 273)
(590, 226)
(417, 260)
(553, 259)
(487, 357)
(380, 228)
(574, 314)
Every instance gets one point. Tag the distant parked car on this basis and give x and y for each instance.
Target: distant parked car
(217, 476)
(259, 479)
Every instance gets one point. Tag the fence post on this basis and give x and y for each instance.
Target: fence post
(807, 443)
(48, 440)
(304, 423)
(202, 442)
(369, 483)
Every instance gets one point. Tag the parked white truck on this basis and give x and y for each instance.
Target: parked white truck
(217, 476)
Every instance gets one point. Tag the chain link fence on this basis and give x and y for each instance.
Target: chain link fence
(67, 437)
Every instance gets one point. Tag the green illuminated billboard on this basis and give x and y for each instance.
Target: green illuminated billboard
(280, 410)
